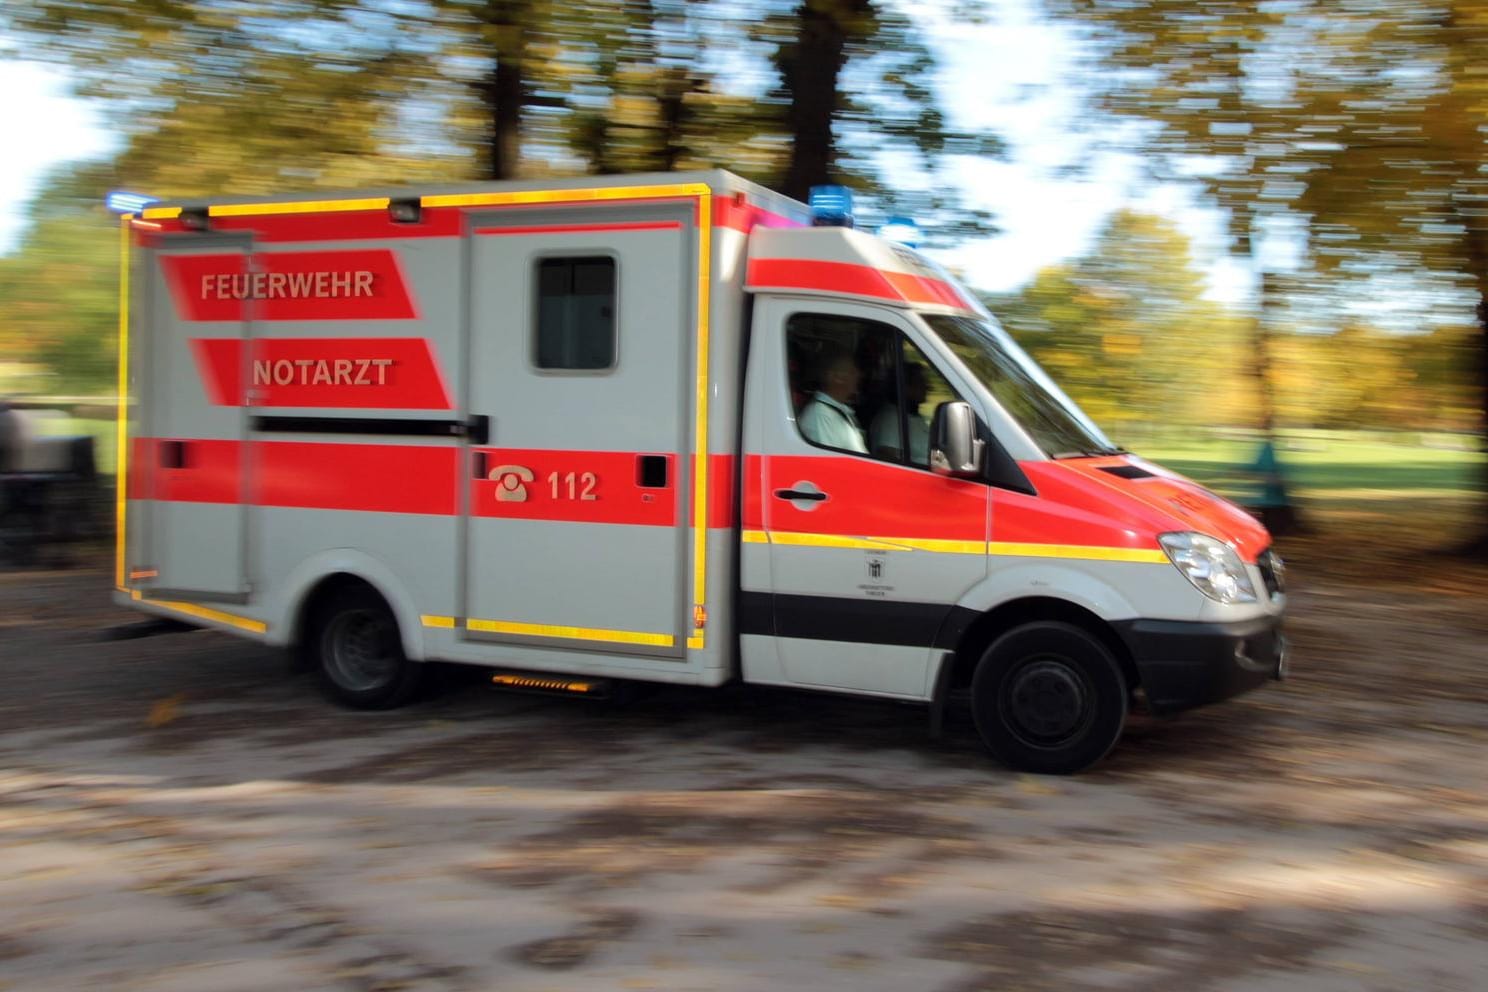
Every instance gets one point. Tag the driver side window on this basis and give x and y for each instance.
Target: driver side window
(860, 387)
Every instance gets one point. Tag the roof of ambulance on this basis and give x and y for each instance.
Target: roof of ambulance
(718, 180)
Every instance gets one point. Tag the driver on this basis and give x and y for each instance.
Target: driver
(827, 419)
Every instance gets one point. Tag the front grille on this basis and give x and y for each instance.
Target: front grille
(1273, 572)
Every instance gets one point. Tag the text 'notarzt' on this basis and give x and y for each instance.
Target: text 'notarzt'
(321, 371)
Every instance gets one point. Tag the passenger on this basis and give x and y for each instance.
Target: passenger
(884, 431)
(827, 419)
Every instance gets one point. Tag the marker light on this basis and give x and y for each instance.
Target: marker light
(901, 230)
(831, 206)
(121, 201)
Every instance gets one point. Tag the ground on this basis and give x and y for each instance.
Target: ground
(185, 813)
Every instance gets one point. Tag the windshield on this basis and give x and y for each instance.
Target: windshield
(1025, 391)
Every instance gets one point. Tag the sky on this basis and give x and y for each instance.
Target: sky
(1016, 76)
(44, 128)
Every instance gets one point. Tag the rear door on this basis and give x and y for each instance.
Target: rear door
(580, 346)
(189, 471)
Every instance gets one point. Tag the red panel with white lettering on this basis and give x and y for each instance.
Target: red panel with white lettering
(362, 284)
(579, 486)
(332, 373)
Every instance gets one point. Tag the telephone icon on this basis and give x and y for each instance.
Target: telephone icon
(512, 481)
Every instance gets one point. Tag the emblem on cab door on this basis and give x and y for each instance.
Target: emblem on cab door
(875, 568)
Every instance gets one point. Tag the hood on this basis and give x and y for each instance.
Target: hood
(1170, 501)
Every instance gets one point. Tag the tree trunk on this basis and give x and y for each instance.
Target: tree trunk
(505, 90)
(809, 69)
(1274, 502)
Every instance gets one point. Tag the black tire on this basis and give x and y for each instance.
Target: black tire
(356, 649)
(1049, 698)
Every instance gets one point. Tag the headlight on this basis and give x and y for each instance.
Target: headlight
(1212, 566)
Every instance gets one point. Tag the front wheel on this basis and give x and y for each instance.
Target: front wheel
(358, 653)
(1049, 698)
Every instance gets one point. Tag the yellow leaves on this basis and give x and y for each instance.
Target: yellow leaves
(165, 710)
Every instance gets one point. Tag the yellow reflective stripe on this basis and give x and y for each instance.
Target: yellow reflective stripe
(204, 613)
(161, 213)
(302, 207)
(700, 452)
(446, 622)
(121, 429)
(1084, 551)
(564, 195)
(936, 546)
(942, 547)
(833, 541)
(572, 633)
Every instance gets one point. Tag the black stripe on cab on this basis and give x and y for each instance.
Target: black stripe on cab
(853, 620)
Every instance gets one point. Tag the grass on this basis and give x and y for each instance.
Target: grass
(1336, 465)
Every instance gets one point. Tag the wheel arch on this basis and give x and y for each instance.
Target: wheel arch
(323, 574)
(993, 623)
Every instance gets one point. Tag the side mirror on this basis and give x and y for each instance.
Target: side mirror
(955, 450)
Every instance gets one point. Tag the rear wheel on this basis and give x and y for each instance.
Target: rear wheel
(358, 653)
(1049, 698)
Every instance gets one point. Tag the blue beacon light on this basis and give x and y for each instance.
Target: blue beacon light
(121, 201)
(902, 231)
(831, 206)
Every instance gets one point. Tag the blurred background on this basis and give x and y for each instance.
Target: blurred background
(1250, 238)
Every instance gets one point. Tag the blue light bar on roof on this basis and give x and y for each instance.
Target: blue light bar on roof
(902, 231)
(831, 206)
(121, 201)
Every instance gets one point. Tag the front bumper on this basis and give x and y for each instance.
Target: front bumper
(1186, 664)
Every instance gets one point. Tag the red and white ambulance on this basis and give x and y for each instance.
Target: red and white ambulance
(667, 428)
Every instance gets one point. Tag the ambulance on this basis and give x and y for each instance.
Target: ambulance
(663, 428)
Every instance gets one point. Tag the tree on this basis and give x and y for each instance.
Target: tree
(1126, 330)
(59, 296)
(329, 91)
(857, 92)
(1361, 122)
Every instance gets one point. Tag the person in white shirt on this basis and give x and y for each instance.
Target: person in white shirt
(884, 431)
(827, 419)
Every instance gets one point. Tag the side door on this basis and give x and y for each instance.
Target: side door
(189, 461)
(581, 322)
(868, 550)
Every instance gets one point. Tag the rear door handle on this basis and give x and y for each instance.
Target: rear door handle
(800, 494)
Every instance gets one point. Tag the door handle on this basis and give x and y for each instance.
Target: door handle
(800, 494)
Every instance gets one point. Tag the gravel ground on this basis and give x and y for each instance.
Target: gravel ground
(185, 813)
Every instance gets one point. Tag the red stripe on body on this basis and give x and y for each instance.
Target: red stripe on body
(313, 475)
(385, 478)
(852, 280)
(744, 216)
(211, 471)
(754, 483)
(328, 373)
(873, 499)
